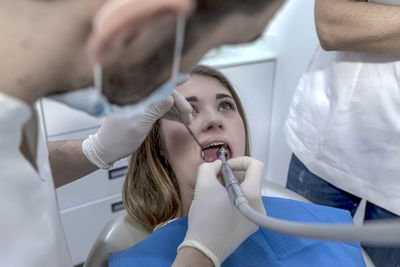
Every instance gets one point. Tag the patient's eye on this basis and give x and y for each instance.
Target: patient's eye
(195, 110)
(226, 105)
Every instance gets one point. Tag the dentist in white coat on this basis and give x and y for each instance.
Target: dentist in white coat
(45, 44)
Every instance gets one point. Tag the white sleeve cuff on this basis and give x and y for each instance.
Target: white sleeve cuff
(90, 153)
(203, 249)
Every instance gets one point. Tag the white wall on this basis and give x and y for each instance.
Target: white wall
(295, 30)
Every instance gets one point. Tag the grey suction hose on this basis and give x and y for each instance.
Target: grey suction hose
(372, 233)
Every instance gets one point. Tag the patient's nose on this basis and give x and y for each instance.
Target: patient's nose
(212, 120)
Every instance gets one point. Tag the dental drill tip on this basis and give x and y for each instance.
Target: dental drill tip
(222, 154)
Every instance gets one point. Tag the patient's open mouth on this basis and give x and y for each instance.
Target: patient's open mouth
(210, 150)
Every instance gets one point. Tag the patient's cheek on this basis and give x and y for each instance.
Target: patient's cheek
(178, 140)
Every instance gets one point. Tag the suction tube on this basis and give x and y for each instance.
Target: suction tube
(376, 233)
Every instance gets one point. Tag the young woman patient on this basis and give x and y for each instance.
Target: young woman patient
(161, 179)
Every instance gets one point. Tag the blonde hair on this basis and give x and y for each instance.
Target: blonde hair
(151, 192)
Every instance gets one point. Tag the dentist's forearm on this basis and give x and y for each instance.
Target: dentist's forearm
(67, 161)
(359, 26)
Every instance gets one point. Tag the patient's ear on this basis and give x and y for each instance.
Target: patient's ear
(162, 153)
(161, 140)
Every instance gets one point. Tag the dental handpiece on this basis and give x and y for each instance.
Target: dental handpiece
(231, 183)
(383, 232)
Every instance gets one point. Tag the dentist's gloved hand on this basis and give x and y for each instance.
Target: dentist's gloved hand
(120, 137)
(215, 226)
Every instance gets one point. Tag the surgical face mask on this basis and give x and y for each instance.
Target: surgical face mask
(93, 102)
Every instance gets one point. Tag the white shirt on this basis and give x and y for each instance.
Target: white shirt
(344, 124)
(31, 233)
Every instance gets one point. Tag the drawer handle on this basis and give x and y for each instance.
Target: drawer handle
(118, 172)
(117, 206)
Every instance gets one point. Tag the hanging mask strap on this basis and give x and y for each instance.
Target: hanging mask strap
(179, 39)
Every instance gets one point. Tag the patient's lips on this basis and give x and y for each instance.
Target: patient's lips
(210, 149)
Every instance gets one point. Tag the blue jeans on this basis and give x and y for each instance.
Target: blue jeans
(315, 189)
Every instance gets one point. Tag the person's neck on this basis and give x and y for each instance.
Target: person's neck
(187, 194)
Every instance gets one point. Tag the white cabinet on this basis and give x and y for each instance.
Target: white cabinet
(83, 223)
(59, 119)
(92, 187)
(96, 185)
(87, 205)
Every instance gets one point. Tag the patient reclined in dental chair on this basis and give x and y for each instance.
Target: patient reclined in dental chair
(122, 233)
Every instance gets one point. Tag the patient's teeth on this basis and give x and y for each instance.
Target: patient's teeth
(217, 143)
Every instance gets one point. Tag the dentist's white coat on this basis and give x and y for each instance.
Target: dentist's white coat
(31, 233)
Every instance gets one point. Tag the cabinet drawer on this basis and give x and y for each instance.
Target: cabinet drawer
(82, 225)
(96, 185)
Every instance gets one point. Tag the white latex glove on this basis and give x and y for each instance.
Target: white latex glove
(215, 226)
(120, 137)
